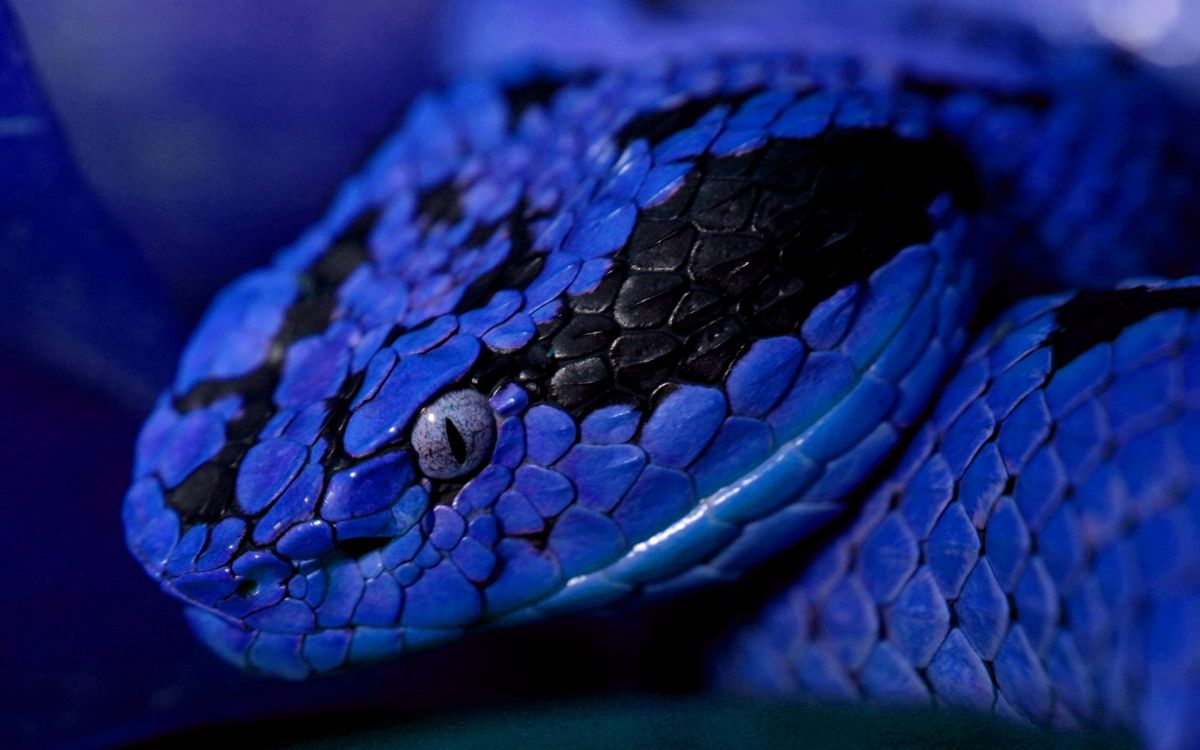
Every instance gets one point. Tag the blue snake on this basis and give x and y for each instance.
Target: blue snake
(572, 340)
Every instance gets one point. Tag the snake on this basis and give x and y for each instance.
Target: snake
(924, 342)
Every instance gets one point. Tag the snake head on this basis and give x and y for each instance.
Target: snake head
(548, 355)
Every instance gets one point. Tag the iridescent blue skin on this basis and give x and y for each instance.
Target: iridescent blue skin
(573, 512)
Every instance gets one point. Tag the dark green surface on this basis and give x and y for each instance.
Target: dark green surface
(701, 723)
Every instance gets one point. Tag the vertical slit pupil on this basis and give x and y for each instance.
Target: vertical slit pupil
(458, 446)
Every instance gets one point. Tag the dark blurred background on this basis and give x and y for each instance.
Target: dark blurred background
(207, 135)
(214, 131)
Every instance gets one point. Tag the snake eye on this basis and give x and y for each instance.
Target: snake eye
(454, 434)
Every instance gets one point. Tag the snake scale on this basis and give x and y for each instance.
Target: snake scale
(570, 340)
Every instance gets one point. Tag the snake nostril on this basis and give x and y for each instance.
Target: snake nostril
(247, 588)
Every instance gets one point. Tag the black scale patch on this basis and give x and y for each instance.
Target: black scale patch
(744, 250)
(1093, 317)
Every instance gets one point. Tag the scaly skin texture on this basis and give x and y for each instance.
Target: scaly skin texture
(1033, 552)
(656, 325)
